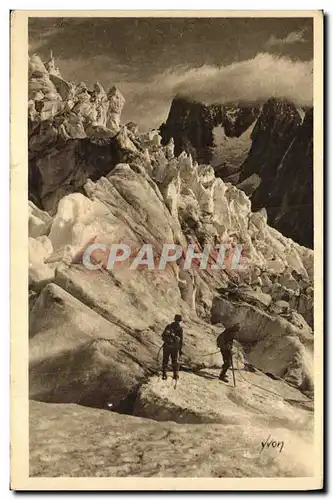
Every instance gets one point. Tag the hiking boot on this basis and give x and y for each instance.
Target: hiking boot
(224, 378)
(175, 376)
(164, 376)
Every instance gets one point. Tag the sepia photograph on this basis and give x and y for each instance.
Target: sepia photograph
(167, 249)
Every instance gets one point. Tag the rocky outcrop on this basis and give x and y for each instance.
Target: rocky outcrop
(271, 137)
(64, 167)
(191, 125)
(250, 185)
(282, 156)
(294, 217)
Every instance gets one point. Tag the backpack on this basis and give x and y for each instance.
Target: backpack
(170, 336)
(220, 341)
(225, 339)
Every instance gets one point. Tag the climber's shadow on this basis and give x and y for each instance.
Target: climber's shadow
(197, 371)
(206, 375)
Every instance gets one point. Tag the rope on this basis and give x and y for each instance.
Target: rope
(53, 372)
(193, 355)
(239, 371)
(258, 386)
(204, 355)
(251, 383)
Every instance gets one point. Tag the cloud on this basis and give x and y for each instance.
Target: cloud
(148, 101)
(38, 42)
(251, 81)
(293, 37)
(254, 80)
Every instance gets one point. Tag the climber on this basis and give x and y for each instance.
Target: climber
(173, 343)
(224, 341)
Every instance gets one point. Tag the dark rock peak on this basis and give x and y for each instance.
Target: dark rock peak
(307, 125)
(237, 120)
(294, 215)
(282, 155)
(191, 125)
(272, 170)
(275, 114)
(272, 135)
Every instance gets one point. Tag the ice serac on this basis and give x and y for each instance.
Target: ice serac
(284, 343)
(116, 103)
(129, 206)
(73, 131)
(39, 221)
(40, 272)
(58, 167)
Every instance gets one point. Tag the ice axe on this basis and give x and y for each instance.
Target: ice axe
(233, 371)
(178, 366)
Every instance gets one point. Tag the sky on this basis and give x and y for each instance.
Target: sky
(151, 60)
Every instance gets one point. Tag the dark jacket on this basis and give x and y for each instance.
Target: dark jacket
(225, 340)
(173, 336)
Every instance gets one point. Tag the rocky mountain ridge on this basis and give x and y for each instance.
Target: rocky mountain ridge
(191, 124)
(277, 167)
(95, 334)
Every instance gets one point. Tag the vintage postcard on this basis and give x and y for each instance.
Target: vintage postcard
(167, 250)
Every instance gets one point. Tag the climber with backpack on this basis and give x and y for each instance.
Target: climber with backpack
(225, 342)
(172, 346)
